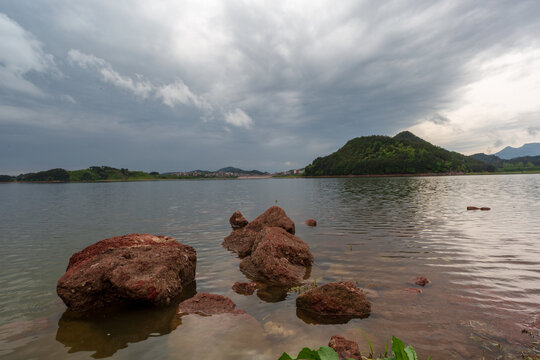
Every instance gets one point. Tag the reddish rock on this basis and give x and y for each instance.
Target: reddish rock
(241, 240)
(244, 288)
(129, 269)
(208, 304)
(485, 208)
(311, 222)
(237, 220)
(273, 217)
(421, 280)
(335, 299)
(346, 349)
(277, 258)
(472, 208)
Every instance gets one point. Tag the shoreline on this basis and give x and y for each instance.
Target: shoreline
(278, 177)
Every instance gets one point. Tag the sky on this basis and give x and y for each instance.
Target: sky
(268, 85)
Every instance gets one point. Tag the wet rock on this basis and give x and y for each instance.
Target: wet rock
(129, 269)
(421, 280)
(241, 240)
(237, 220)
(485, 208)
(208, 304)
(244, 288)
(346, 349)
(472, 208)
(334, 300)
(277, 258)
(273, 217)
(311, 222)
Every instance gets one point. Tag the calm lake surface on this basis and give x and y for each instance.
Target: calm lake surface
(484, 266)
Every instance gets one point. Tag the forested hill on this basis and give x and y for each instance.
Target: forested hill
(404, 153)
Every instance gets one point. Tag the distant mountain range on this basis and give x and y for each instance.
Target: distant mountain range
(531, 149)
(234, 170)
(404, 153)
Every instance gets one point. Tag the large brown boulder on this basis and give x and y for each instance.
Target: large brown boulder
(129, 269)
(335, 300)
(237, 220)
(277, 258)
(346, 349)
(241, 240)
(208, 304)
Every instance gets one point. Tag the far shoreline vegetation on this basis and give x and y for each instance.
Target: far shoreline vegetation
(403, 155)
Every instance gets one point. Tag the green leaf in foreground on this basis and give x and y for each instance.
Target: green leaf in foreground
(327, 353)
(307, 353)
(285, 356)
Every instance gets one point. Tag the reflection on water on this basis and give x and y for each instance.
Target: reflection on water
(106, 332)
(379, 232)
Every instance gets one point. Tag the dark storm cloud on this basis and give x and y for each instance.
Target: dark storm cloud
(171, 86)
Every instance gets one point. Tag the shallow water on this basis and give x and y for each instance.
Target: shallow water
(484, 266)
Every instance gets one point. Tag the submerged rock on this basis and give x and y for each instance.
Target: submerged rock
(334, 300)
(311, 222)
(237, 220)
(421, 280)
(346, 349)
(244, 288)
(208, 304)
(277, 258)
(129, 269)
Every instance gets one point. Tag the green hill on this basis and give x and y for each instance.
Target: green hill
(524, 163)
(240, 171)
(404, 153)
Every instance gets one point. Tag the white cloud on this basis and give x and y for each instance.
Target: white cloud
(170, 94)
(238, 118)
(21, 53)
(179, 93)
(500, 108)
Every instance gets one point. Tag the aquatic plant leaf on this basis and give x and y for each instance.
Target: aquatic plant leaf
(285, 356)
(411, 354)
(398, 347)
(307, 353)
(327, 353)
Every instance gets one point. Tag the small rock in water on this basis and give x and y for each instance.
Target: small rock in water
(208, 304)
(335, 299)
(244, 288)
(421, 280)
(346, 349)
(311, 222)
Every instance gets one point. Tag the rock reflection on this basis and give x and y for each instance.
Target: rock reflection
(107, 332)
(312, 318)
(272, 294)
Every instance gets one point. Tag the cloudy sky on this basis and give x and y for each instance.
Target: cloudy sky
(270, 85)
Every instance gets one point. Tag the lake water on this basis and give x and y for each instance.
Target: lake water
(484, 266)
